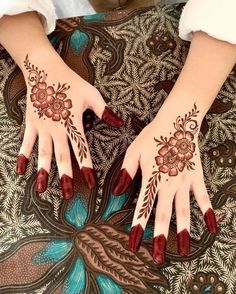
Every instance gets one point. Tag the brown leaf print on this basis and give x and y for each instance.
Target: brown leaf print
(105, 250)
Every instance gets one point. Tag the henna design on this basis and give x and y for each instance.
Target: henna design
(150, 193)
(174, 155)
(53, 103)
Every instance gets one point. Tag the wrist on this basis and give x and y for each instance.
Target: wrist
(174, 112)
(40, 57)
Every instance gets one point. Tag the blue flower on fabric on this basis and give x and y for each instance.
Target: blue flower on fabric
(56, 250)
(96, 251)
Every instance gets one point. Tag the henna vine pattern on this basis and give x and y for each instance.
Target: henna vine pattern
(53, 103)
(174, 155)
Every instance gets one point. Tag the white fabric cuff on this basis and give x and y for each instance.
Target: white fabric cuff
(45, 8)
(214, 17)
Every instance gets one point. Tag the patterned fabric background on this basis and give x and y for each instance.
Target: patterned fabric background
(48, 245)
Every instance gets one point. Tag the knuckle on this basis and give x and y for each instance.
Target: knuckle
(130, 151)
(184, 212)
(63, 157)
(96, 92)
(161, 217)
(203, 199)
(44, 153)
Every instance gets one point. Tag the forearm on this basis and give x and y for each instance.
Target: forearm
(23, 34)
(208, 65)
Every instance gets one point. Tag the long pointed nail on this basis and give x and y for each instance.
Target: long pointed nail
(21, 164)
(135, 238)
(183, 242)
(122, 182)
(210, 220)
(41, 181)
(67, 186)
(111, 118)
(89, 177)
(159, 249)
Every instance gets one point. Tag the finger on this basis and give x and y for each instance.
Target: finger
(98, 105)
(63, 159)
(29, 139)
(182, 208)
(44, 161)
(128, 170)
(143, 210)
(203, 200)
(162, 223)
(80, 147)
(110, 118)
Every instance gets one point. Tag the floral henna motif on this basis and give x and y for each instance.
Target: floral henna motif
(53, 103)
(173, 156)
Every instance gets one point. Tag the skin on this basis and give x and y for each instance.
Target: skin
(201, 78)
(52, 135)
(199, 82)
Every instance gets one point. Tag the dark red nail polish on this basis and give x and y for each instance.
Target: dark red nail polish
(122, 182)
(67, 186)
(135, 238)
(41, 181)
(111, 118)
(183, 242)
(89, 177)
(21, 164)
(210, 220)
(159, 249)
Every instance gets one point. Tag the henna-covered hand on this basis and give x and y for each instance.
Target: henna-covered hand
(170, 169)
(54, 113)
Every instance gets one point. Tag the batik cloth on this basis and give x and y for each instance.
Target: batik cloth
(49, 245)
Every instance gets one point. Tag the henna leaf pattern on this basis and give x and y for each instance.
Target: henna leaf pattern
(150, 194)
(173, 156)
(53, 103)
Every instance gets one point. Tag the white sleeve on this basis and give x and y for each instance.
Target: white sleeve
(45, 8)
(214, 17)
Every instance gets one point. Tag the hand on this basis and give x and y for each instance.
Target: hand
(168, 154)
(56, 99)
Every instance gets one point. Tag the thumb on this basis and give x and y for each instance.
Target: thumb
(128, 171)
(103, 111)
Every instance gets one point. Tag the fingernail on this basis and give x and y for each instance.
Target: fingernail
(183, 242)
(21, 164)
(210, 220)
(111, 118)
(135, 238)
(122, 182)
(41, 181)
(159, 249)
(67, 186)
(89, 177)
